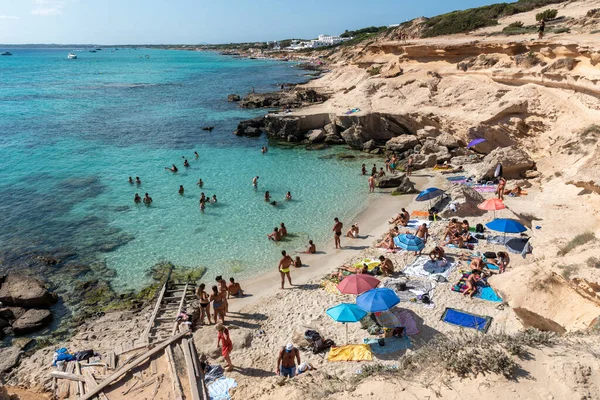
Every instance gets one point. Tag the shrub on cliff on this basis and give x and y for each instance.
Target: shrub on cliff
(546, 15)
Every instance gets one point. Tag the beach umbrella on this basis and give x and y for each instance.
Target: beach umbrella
(475, 142)
(344, 313)
(357, 284)
(409, 242)
(492, 205)
(428, 194)
(377, 300)
(506, 225)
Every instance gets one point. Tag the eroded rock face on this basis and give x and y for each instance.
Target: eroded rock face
(33, 320)
(462, 202)
(355, 136)
(447, 140)
(406, 187)
(402, 143)
(24, 291)
(514, 161)
(287, 128)
(421, 161)
(274, 99)
(9, 358)
(428, 132)
(250, 127)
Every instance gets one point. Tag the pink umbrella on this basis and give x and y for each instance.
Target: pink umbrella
(492, 205)
(357, 284)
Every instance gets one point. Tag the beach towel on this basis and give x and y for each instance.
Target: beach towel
(414, 287)
(415, 223)
(423, 266)
(330, 287)
(483, 292)
(484, 188)
(416, 214)
(392, 345)
(456, 317)
(370, 263)
(442, 167)
(219, 389)
(350, 352)
(517, 245)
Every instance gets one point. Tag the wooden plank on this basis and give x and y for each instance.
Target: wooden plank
(194, 357)
(112, 360)
(79, 383)
(153, 367)
(68, 376)
(63, 386)
(190, 370)
(177, 391)
(155, 311)
(92, 383)
(129, 366)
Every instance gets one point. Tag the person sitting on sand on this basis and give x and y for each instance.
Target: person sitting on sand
(275, 235)
(147, 199)
(516, 192)
(267, 196)
(137, 198)
(312, 249)
(455, 239)
(386, 266)
(200, 183)
(181, 190)
(477, 264)
(388, 241)
(288, 196)
(465, 230)
(451, 229)
(284, 268)
(173, 168)
(502, 261)
(471, 283)
(297, 262)
(186, 163)
(423, 232)
(286, 362)
(353, 232)
(204, 303)
(225, 344)
(283, 230)
(438, 255)
(130, 180)
(305, 367)
(234, 289)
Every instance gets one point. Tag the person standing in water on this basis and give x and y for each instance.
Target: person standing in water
(137, 180)
(181, 190)
(200, 183)
(196, 155)
(130, 180)
(364, 169)
(284, 268)
(147, 199)
(255, 182)
(267, 196)
(202, 205)
(372, 183)
(186, 163)
(288, 196)
(337, 232)
(137, 198)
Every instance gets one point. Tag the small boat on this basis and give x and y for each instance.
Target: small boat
(92, 51)
(72, 56)
(6, 53)
(98, 49)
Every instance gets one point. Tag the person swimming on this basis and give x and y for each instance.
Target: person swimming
(172, 169)
(196, 154)
(214, 199)
(137, 180)
(130, 180)
(200, 183)
(202, 205)
(181, 190)
(202, 197)
(267, 196)
(137, 198)
(147, 199)
(288, 196)
(186, 163)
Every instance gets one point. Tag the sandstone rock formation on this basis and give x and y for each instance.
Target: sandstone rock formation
(406, 186)
(392, 181)
(316, 136)
(9, 358)
(514, 161)
(355, 136)
(462, 202)
(33, 320)
(24, 291)
(402, 143)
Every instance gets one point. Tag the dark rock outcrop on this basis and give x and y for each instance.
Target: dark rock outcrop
(251, 127)
(9, 358)
(405, 187)
(24, 291)
(283, 128)
(272, 99)
(234, 97)
(33, 320)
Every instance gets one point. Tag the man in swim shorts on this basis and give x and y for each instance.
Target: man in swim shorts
(337, 230)
(387, 266)
(286, 362)
(255, 182)
(284, 268)
(234, 289)
(147, 199)
(275, 235)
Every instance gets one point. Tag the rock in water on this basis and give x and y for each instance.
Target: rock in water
(392, 181)
(233, 97)
(33, 320)
(462, 202)
(24, 291)
(514, 161)
(9, 358)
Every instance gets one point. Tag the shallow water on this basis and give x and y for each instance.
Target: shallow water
(72, 131)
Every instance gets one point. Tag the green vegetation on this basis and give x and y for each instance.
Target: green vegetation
(577, 241)
(363, 31)
(546, 15)
(568, 270)
(516, 24)
(374, 70)
(474, 18)
(593, 262)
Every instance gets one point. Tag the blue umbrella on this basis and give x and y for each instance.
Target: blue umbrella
(409, 242)
(376, 300)
(346, 312)
(428, 194)
(506, 225)
(475, 142)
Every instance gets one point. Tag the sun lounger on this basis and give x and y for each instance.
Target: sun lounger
(350, 352)
(464, 319)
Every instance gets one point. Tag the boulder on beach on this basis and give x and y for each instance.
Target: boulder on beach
(9, 358)
(447, 140)
(461, 201)
(316, 136)
(514, 161)
(405, 187)
(421, 161)
(428, 132)
(33, 320)
(24, 291)
(391, 180)
(402, 143)
(355, 136)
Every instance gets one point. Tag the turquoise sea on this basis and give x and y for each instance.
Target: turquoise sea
(73, 131)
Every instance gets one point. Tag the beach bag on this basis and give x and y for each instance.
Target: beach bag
(489, 254)
(479, 228)
(398, 332)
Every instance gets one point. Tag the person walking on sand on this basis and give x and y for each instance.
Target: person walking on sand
(409, 166)
(372, 183)
(224, 343)
(284, 268)
(286, 362)
(337, 232)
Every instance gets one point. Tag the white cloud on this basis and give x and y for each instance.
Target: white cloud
(8, 17)
(48, 7)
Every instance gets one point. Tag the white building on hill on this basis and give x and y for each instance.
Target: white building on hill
(322, 41)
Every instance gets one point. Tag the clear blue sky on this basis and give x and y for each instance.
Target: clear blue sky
(202, 21)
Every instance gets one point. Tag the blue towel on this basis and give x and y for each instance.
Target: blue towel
(392, 345)
(456, 178)
(460, 318)
(493, 267)
(487, 293)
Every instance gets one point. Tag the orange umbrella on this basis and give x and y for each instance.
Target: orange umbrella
(492, 205)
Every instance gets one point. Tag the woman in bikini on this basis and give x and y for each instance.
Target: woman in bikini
(502, 261)
(501, 187)
(217, 298)
(204, 303)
